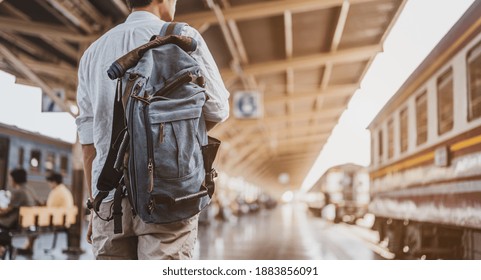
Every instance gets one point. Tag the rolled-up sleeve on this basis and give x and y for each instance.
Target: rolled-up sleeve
(216, 108)
(85, 118)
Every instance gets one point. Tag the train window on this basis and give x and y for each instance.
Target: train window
(4, 148)
(35, 160)
(373, 150)
(474, 82)
(445, 102)
(422, 118)
(390, 139)
(21, 157)
(50, 162)
(403, 116)
(64, 164)
(380, 146)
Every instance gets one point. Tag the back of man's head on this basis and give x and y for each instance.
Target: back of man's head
(139, 3)
(164, 9)
(55, 177)
(19, 175)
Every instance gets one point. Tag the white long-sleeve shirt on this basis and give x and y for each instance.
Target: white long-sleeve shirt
(96, 92)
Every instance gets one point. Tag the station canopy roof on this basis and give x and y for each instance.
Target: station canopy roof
(306, 57)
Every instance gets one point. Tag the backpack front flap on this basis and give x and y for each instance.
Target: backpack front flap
(167, 131)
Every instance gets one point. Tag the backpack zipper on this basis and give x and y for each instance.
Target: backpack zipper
(151, 175)
(183, 79)
(161, 133)
(150, 148)
(138, 86)
(133, 178)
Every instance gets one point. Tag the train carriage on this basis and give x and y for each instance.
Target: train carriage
(37, 154)
(426, 152)
(346, 188)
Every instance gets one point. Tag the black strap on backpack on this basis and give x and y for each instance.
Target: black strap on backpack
(111, 176)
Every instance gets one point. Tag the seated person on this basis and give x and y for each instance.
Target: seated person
(20, 196)
(59, 196)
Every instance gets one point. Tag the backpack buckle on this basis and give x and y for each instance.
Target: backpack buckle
(151, 205)
(211, 175)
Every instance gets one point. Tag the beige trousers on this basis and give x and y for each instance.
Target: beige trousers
(140, 240)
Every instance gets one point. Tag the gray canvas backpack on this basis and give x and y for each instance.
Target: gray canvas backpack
(160, 152)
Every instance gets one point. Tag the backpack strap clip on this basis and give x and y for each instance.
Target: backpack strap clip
(115, 211)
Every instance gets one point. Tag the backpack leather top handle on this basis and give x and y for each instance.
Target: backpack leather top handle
(129, 60)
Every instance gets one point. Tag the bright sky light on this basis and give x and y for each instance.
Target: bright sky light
(420, 26)
(21, 106)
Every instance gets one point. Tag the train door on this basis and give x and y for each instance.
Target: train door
(4, 148)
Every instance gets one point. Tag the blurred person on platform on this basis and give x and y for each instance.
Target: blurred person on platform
(59, 196)
(20, 196)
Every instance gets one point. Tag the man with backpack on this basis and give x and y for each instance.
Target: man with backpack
(96, 96)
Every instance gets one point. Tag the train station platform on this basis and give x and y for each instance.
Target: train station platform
(287, 232)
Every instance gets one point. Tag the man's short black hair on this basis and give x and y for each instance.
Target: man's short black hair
(19, 175)
(55, 177)
(138, 3)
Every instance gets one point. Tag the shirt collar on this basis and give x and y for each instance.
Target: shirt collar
(141, 15)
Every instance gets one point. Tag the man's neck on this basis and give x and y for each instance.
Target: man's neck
(151, 9)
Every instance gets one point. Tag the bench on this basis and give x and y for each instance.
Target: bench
(38, 220)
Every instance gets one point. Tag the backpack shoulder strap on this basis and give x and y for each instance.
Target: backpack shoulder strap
(172, 28)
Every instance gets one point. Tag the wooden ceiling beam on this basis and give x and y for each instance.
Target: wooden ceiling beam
(334, 91)
(236, 36)
(268, 120)
(279, 142)
(56, 43)
(289, 48)
(58, 15)
(263, 9)
(51, 69)
(68, 11)
(263, 165)
(278, 133)
(99, 20)
(251, 126)
(341, 23)
(309, 61)
(302, 129)
(256, 151)
(257, 172)
(303, 139)
(234, 45)
(331, 92)
(251, 159)
(64, 47)
(336, 40)
(43, 29)
(14, 12)
(300, 155)
(50, 75)
(310, 147)
(27, 46)
(120, 4)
